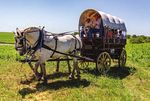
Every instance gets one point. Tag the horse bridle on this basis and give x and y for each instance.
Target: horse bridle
(25, 43)
(22, 42)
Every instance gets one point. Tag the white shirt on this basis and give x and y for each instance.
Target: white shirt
(123, 34)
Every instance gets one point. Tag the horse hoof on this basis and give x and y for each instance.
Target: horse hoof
(57, 71)
(71, 77)
(44, 82)
(39, 77)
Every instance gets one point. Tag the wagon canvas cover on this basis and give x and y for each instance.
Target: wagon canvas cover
(107, 19)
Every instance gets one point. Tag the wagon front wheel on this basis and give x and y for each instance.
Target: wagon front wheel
(103, 62)
(122, 58)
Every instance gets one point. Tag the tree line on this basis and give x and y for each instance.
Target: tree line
(134, 39)
(138, 39)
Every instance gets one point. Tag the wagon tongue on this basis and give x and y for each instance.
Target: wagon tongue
(87, 59)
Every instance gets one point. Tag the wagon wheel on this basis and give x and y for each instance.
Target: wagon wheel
(83, 64)
(103, 62)
(122, 58)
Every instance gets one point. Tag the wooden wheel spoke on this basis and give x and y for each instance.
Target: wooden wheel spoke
(103, 62)
(122, 59)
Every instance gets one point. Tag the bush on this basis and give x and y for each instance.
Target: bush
(147, 39)
(136, 40)
(76, 33)
(139, 39)
(134, 36)
(128, 36)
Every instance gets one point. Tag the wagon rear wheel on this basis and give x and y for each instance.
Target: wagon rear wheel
(103, 62)
(122, 58)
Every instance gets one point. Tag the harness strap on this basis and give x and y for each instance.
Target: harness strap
(55, 37)
(39, 42)
(71, 55)
(77, 40)
(79, 43)
(75, 43)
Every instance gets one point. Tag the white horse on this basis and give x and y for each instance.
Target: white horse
(44, 46)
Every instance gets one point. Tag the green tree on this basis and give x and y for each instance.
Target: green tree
(128, 36)
(134, 36)
(76, 33)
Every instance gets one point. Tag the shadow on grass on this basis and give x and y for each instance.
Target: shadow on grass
(115, 72)
(57, 75)
(32, 78)
(56, 85)
(25, 91)
(121, 72)
(63, 84)
(29, 80)
(91, 71)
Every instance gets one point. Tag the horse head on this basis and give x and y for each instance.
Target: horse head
(26, 38)
(20, 42)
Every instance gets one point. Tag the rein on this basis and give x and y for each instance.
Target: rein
(39, 42)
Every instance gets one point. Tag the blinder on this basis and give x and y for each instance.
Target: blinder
(20, 44)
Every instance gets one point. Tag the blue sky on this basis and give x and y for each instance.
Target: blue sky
(63, 15)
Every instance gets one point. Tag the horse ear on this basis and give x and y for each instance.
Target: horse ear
(18, 32)
(43, 27)
(14, 33)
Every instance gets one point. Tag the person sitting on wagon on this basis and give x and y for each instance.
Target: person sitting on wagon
(115, 35)
(124, 37)
(97, 28)
(109, 35)
(119, 36)
(83, 35)
(87, 28)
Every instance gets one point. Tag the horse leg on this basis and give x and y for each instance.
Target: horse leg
(77, 68)
(57, 68)
(71, 76)
(69, 67)
(41, 73)
(37, 74)
(44, 73)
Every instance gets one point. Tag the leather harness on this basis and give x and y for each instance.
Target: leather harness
(40, 44)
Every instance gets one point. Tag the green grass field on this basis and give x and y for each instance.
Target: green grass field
(6, 37)
(131, 83)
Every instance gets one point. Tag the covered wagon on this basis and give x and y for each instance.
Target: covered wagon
(103, 37)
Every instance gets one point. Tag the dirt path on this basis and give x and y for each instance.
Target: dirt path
(2, 44)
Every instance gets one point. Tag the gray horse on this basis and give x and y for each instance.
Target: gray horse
(43, 46)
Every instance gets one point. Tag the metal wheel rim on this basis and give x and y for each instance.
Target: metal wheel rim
(103, 62)
(122, 59)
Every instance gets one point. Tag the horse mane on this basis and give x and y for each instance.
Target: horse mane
(31, 29)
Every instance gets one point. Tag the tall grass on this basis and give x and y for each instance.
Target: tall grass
(139, 53)
(127, 84)
(6, 37)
